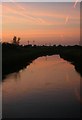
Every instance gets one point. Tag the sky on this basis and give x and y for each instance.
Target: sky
(44, 23)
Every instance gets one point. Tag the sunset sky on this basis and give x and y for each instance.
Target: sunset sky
(55, 23)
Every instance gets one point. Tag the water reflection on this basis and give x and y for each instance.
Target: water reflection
(48, 87)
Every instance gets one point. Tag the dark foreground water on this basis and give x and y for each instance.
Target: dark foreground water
(49, 87)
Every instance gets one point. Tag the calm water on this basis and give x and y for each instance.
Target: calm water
(48, 87)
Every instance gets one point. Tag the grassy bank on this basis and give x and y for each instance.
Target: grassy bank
(17, 57)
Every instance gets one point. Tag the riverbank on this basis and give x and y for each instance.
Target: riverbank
(15, 57)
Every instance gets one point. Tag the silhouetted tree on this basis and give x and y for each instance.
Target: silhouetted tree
(18, 41)
(15, 41)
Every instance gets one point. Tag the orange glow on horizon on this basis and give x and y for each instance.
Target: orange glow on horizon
(28, 21)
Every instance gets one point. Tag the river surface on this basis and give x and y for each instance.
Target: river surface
(48, 88)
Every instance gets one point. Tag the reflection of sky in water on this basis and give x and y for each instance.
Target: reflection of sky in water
(47, 87)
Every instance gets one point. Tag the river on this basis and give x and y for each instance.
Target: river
(48, 88)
